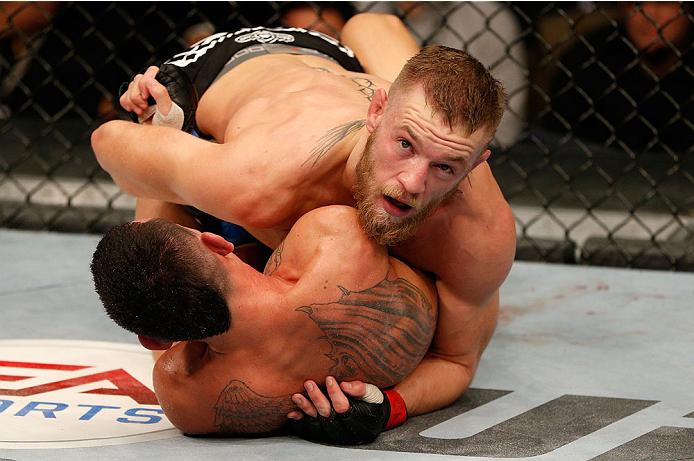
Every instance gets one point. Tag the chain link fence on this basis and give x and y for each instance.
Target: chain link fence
(594, 153)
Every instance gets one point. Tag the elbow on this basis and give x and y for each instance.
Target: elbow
(107, 145)
(97, 136)
(99, 141)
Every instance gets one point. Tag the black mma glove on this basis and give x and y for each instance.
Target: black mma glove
(362, 423)
(181, 90)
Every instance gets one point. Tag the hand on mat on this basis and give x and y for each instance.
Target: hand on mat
(142, 86)
(350, 420)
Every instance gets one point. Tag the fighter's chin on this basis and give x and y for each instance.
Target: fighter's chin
(385, 229)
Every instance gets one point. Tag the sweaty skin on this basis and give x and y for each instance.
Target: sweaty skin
(330, 301)
(290, 131)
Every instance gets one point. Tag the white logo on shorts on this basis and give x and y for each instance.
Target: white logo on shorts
(264, 36)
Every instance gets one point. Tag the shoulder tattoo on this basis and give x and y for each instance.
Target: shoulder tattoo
(382, 332)
(274, 261)
(331, 138)
(241, 410)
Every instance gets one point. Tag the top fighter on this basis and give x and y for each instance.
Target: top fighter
(295, 132)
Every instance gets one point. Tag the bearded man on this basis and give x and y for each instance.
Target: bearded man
(289, 121)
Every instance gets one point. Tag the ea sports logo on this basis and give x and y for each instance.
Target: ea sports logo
(57, 394)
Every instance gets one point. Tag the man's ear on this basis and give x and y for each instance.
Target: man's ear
(482, 158)
(217, 243)
(376, 109)
(153, 344)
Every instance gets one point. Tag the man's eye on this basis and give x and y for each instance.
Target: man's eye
(405, 144)
(446, 169)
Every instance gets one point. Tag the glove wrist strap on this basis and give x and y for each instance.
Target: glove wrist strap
(398, 409)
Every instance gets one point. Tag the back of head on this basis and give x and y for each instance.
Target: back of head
(457, 86)
(155, 280)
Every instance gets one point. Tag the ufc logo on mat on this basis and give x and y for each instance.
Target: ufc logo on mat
(494, 424)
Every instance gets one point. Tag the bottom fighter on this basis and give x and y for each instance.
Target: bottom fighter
(330, 302)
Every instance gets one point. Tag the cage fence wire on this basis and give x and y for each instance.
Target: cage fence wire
(594, 153)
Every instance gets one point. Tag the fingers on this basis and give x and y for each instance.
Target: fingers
(320, 401)
(317, 403)
(296, 415)
(143, 83)
(160, 95)
(337, 397)
(304, 406)
(135, 97)
(354, 388)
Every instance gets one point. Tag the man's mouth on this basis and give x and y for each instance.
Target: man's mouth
(395, 207)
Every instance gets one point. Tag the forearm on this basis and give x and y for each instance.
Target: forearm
(380, 42)
(148, 209)
(142, 159)
(434, 384)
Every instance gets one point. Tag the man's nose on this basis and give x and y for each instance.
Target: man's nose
(413, 178)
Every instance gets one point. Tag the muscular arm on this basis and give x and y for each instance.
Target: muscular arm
(468, 293)
(380, 42)
(447, 370)
(144, 160)
(170, 165)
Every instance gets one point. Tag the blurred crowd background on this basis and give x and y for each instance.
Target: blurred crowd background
(594, 153)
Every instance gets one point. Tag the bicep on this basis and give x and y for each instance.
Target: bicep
(464, 329)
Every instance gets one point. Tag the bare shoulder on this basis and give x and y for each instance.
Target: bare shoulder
(336, 223)
(469, 243)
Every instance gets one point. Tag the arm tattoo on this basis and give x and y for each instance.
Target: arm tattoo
(241, 410)
(274, 261)
(382, 332)
(332, 137)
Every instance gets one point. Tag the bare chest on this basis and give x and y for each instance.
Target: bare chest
(297, 152)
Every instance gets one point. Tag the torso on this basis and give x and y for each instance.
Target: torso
(272, 98)
(347, 310)
(468, 244)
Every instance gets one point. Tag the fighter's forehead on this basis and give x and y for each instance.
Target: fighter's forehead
(422, 123)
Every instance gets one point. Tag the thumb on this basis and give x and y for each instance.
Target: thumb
(366, 392)
(160, 95)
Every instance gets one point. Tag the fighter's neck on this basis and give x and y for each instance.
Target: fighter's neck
(349, 175)
(251, 297)
(250, 287)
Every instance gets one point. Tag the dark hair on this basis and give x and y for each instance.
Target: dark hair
(154, 279)
(457, 86)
